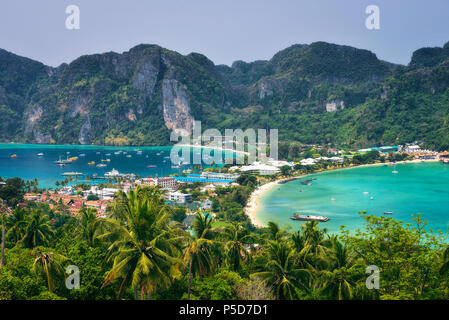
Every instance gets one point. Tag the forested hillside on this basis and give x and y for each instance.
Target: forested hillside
(318, 93)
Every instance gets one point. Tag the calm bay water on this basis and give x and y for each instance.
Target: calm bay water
(27, 165)
(416, 188)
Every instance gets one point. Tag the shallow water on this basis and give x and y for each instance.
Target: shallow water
(416, 188)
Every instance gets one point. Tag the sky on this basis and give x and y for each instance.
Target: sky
(224, 31)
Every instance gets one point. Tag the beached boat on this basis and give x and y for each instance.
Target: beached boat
(302, 217)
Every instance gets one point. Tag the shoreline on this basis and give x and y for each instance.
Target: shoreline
(253, 205)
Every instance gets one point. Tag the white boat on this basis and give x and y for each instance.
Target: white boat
(301, 217)
(394, 171)
(82, 155)
(40, 154)
(139, 152)
(128, 156)
(112, 173)
(101, 165)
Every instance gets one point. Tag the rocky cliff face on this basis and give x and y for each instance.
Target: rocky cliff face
(176, 107)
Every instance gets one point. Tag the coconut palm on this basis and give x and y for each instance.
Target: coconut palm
(50, 266)
(144, 251)
(314, 250)
(236, 236)
(274, 232)
(202, 225)
(198, 256)
(89, 225)
(282, 273)
(336, 281)
(17, 223)
(38, 230)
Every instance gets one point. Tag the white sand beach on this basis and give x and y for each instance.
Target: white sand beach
(253, 202)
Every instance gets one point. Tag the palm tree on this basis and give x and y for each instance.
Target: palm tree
(202, 225)
(314, 251)
(337, 280)
(38, 230)
(274, 232)
(282, 273)
(49, 265)
(89, 225)
(144, 249)
(199, 258)
(235, 237)
(17, 223)
(199, 253)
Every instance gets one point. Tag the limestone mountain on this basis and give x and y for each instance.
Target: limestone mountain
(317, 93)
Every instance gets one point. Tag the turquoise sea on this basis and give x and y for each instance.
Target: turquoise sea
(416, 188)
(28, 165)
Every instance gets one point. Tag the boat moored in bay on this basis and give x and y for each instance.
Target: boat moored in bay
(302, 217)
